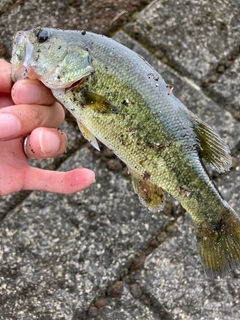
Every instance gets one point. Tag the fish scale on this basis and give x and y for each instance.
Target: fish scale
(119, 99)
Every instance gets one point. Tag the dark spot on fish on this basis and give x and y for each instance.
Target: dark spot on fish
(146, 175)
(115, 110)
(156, 78)
(149, 144)
(106, 67)
(168, 143)
(220, 226)
(32, 151)
(185, 191)
(125, 102)
(83, 32)
(159, 145)
(132, 131)
(122, 140)
(59, 47)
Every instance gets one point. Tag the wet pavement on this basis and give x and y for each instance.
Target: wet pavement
(99, 254)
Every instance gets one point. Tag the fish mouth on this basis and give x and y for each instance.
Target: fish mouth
(21, 56)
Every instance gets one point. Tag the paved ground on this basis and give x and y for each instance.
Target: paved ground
(99, 254)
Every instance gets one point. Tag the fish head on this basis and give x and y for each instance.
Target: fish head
(50, 55)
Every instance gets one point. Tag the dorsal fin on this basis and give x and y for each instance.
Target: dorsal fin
(214, 150)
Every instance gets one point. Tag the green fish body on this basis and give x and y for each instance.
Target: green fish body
(119, 99)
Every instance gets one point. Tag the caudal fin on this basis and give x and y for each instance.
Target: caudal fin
(219, 244)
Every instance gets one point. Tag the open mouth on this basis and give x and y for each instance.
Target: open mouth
(21, 55)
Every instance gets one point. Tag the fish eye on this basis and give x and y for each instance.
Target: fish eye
(42, 36)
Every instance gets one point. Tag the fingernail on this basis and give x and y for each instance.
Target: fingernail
(49, 141)
(9, 125)
(26, 93)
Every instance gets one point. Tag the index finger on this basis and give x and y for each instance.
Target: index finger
(5, 76)
(27, 91)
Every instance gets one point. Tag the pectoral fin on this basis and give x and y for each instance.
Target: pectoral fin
(150, 195)
(88, 135)
(98, 103)
(213, 149)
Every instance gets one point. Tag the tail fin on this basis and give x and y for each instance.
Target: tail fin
(219, 244)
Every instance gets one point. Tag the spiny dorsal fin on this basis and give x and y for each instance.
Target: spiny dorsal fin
(214, 150)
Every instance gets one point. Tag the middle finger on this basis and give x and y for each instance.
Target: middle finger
(20, 120)
(5, 100)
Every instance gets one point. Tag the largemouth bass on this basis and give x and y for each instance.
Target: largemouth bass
(119, 99)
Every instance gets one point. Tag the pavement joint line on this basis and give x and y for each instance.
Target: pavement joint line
(128, 278)
(16, 204)
(226, 62)
(158, 54)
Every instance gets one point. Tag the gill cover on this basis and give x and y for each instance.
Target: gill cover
(67, 62)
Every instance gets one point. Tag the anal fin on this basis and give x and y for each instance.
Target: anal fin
(150, 195)
(88, 135)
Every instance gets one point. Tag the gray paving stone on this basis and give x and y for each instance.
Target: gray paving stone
(27, 14)
(226, 90)
(192, 35)
(4, 5)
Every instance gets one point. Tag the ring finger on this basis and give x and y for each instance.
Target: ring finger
(45, 143)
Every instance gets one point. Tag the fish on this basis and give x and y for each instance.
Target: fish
(119, 99)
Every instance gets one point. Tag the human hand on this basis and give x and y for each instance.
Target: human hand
(29, 108)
